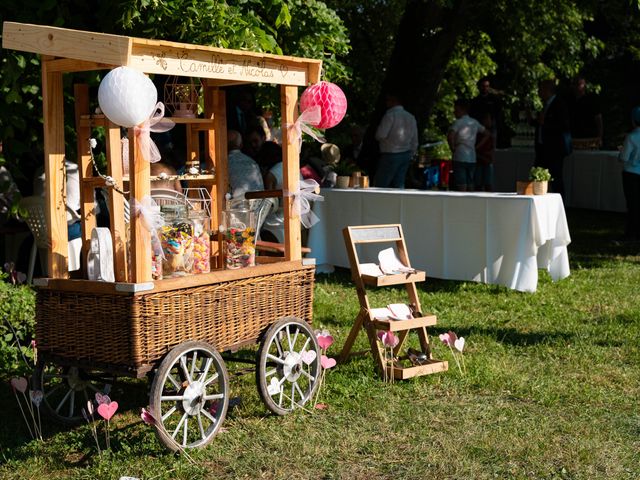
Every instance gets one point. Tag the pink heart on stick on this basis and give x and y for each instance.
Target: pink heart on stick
(309, 356)
(19, 384)
(107, 410)
(102, 398)
(325, 341)
(327, 362)
(36, 397)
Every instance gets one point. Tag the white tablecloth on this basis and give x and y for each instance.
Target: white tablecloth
(492, 238)
(592, 179)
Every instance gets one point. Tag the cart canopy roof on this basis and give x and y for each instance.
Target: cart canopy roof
(80, 50)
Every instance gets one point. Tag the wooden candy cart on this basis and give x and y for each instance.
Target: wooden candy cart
(172, 329)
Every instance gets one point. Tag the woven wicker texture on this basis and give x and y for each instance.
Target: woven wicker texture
(132, 331)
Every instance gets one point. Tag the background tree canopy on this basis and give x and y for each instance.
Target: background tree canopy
(431, 50)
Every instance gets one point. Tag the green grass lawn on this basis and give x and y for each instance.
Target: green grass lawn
(551, 391)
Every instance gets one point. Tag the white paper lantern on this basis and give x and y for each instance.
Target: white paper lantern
(127, 97)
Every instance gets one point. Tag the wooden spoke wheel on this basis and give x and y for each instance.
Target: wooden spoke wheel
(66, 390)
(189, 396)
(288, 367)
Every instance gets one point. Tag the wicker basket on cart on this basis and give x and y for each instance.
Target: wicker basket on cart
(130, 332)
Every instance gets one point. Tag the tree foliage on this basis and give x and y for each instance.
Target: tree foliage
(517, 42)
(293, 27)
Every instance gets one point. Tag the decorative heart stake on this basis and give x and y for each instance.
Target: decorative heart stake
(36, 397)
(309, 356)
(107, 410)
(147, 417)
(274, 387)
(444, 338)
(20, 384)
(327, 362)
(325, 341)
(90, 408)
(459, 344)
(102, 399)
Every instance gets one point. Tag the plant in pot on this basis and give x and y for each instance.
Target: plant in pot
(343, 171)
(540, 177)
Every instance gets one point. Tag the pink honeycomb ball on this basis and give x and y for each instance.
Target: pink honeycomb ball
(332, 102)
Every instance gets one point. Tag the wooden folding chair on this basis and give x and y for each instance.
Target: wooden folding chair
(380, 234)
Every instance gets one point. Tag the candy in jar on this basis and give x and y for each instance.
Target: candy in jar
(176, 239)
(239, 231)
(201, 242)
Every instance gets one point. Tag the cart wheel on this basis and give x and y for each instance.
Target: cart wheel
(189, 396)
(287, 372)
(66, 390)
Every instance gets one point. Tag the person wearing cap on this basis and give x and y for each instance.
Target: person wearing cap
(630, 156)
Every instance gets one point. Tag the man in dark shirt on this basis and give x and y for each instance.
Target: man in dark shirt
(585, 112)
(486, 103)
(552, 133)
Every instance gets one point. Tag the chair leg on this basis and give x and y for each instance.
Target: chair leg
(32, 262)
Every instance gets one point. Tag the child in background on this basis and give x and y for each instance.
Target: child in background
(484, 158)
(630, 156)
(462, 141)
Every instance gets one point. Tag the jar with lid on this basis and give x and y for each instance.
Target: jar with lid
(201, 241)
(239, 231)
(177, 241)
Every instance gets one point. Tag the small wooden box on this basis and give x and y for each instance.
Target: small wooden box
(524, 188)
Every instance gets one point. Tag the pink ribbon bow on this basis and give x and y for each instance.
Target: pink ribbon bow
(301, 202)
(310, 117)
(147, 148)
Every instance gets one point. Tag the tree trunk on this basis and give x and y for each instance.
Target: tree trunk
(424, 43)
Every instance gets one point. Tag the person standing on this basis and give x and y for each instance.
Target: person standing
(397, 135)
(244, 172)
(552, 137)
(585, 113)
(462, 141)
(630, 156)
(487, 103)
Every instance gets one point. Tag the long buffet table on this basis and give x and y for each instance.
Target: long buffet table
(592, 179)
(494, 238)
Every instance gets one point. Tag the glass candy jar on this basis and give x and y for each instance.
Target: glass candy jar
(201, 241)
(156, 250)
(177, 241)
(239, 231)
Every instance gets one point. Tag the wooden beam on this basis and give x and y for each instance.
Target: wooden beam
(167, 59)
(139, 172)
(85, 168)
(67, 43)
(55, 176)
(218, 142)
(291, 172)
(68, 65)
(116, 204)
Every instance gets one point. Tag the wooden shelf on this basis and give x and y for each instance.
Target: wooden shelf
(432, 366)
(186, 177)
(394, 279)
(100, 120)
(401, 325)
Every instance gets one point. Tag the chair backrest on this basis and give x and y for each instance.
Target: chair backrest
(36, 219)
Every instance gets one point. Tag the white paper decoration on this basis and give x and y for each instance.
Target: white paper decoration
(127, 97)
